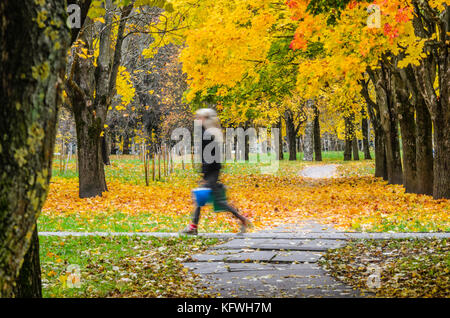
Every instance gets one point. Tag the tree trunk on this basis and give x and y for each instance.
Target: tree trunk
(300, 144)
(308, 141)
(355, 149)
(436, 66)
(30, 96)
(28, 284)
(424, 149)
(438, 106)
(348, 150)
(375, 118)
(126, 145)
(348, 139)
(247, 145)
(113, 147)
(389, 122)
(441, 187)
(380, 155)
(317, 139)
(105, 151)
(280, 141)
(90, 159)
(247, 149)
(84, 8)
(90, 89)
(291, 136)
(405, 113)
(408, 131)
(365, 133)
(393, 158)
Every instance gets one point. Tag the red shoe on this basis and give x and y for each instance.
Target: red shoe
(191, 229)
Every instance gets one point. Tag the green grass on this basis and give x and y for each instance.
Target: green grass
(397, 224)
(120, 266)
(130, 169)
(330, 156)
(121, 222)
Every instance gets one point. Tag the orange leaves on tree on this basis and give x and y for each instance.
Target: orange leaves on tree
(390, 32)
(403, 15)
(352, 4)
(299, 42)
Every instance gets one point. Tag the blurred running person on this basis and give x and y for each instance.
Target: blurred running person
(212, 138)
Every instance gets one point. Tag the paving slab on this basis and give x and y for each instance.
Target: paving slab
(240, 243)
(319, 244)
(235, 256)
(214, 256)
(222, 267)
(278, 263)
(300, 269)
(276, 283)
(206, 268)
(302, 227)
(283, 244)
(297, 256)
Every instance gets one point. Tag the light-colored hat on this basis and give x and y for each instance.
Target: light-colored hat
(211, 123)
(206, 112)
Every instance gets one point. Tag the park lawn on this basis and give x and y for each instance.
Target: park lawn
(120, 266)
(406, 268)
(108, 221)
(353, 201)
(330, 156)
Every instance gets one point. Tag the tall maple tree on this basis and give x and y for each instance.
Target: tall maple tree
(406, 61)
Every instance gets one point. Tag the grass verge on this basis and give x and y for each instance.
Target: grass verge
(120, 266)
(393, 268)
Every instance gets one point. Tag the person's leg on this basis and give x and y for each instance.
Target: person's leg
(209, 180)
(245, 223)
(192, 228)
(235, 212)
(196, 216)
(212, 181)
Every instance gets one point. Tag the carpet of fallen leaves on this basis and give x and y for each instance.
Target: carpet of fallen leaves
(350, 202)
(121, 266)
(148, 267)
(406, 268)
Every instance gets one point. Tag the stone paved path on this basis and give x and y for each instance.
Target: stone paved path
(276, 263)
(270, 266)
(319, 171)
